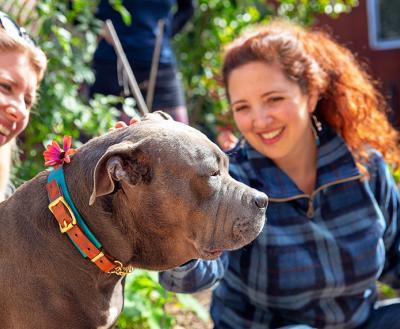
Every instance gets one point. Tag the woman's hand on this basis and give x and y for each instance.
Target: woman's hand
(226, 140)
(122, 124)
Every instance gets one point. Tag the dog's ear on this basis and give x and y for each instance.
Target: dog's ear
(122, 162)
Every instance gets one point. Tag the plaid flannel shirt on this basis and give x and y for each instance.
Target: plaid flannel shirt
(318, 257)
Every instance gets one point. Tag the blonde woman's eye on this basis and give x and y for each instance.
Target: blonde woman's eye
(28, 103)
(5, 87)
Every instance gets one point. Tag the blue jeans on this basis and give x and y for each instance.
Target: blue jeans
(385, 315)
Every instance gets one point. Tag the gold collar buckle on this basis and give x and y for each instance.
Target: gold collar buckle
(120, 269)
(66, 226)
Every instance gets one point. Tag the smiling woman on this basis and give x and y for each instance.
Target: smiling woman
(273, 114)
(317, 141)
(22, 65)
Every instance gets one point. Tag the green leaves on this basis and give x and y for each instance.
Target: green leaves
(386, 291)
(119, 7)
(304, 10)
(145, 303)
(144, 300)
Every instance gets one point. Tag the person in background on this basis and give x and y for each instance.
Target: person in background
(22, 65)
(138, 41)
(317, 141)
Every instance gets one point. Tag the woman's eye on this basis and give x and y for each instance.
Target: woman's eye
(28, 103)
(275, 99)
(239, 108)
(5, 87)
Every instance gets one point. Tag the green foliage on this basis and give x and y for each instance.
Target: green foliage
(145, 302)
(304, 10)
(386, 291)
(396, 175)
(119, 7)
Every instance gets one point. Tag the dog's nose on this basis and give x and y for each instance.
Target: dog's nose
(261, 200)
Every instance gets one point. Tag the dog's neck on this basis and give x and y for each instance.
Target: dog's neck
(99, 217)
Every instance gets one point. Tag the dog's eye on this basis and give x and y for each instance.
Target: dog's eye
(216, 173)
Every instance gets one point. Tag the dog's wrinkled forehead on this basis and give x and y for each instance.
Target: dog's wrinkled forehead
(164, 128)
(176, 135)
(179, 141)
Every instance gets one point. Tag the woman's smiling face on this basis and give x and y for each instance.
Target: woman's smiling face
(271, 112)
(18, 84)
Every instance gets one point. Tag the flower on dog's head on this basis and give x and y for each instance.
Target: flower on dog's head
(55, 155)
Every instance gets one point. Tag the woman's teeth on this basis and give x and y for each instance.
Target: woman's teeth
(4, 130)
(272, 134)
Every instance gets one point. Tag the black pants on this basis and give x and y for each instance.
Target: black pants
(168, 89)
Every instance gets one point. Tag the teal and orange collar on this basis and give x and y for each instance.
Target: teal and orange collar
(72, 223)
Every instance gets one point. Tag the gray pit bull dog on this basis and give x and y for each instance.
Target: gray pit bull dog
(159, 194)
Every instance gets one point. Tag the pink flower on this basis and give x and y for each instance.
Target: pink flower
(55, 155)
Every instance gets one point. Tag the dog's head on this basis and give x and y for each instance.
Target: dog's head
(171, 193)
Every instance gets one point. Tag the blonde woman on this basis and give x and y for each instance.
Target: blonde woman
(22, 65)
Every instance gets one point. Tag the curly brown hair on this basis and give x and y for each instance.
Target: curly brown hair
(349, 100)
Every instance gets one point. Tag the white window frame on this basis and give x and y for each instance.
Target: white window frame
(373, 23)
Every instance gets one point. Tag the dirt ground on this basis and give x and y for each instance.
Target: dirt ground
(188, 320)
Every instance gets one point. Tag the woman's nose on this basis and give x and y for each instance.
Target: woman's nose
(16, 112)
(262, 117)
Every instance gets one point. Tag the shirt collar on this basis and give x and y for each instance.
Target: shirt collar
(334, 162)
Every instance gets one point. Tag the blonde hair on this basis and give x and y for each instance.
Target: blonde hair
(36, 56)
(38, 61)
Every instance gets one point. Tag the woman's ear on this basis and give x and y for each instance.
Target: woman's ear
(313, 97)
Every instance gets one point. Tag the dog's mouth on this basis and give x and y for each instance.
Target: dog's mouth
(211, 253)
